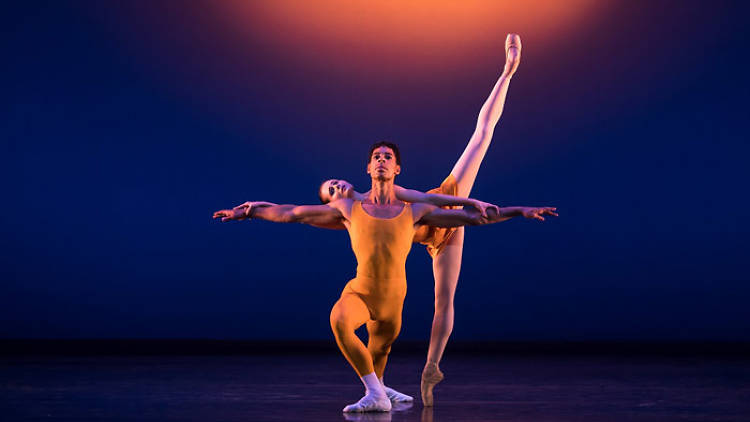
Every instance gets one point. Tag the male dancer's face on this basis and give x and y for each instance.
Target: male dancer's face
(382, 166)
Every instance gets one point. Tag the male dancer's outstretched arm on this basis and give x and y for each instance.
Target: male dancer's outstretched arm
(287, 213)
(425, 214)
(440, 217)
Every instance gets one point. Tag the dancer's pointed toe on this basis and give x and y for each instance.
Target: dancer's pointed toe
(431, 376)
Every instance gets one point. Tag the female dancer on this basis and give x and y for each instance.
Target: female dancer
(444, 245)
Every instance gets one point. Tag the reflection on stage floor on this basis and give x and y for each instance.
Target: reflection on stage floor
(317, 387)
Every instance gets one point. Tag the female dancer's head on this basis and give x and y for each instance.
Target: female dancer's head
(333, 189)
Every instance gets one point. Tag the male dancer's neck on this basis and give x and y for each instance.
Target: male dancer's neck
(382, 192)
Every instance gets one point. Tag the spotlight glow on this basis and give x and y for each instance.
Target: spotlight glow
(401, 32)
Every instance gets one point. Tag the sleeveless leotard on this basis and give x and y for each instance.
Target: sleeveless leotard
(376, 295)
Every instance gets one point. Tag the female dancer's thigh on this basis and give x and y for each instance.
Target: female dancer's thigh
(446, 267)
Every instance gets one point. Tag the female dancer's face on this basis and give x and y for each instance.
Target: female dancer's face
(333, 189)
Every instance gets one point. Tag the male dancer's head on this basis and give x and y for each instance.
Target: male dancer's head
(384, 162)
(388, 152)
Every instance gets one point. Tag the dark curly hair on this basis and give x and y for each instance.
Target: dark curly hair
(386, 144)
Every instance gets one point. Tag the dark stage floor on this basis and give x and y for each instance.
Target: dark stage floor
(316, 387)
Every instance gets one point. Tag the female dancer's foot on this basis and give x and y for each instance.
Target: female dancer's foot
(431, 375)
(512, 54)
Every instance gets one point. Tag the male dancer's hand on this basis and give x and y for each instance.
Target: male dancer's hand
(233, 214)
(512, 54)
(247, 207)
(242, 211)
(537, 213)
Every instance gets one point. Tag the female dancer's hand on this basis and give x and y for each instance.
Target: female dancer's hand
(482, 207)
(537, 213)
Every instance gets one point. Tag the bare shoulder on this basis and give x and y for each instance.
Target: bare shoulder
(344, 206)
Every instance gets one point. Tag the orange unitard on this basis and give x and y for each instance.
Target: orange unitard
(376, 295)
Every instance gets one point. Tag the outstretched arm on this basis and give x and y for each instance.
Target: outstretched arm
(468, 217)
(440, 200)
(323, 221)
(307, 214)
(535, 213)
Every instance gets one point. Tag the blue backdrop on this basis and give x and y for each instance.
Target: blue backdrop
(125, 125)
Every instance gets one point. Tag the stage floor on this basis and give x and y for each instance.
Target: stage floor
(316, 387)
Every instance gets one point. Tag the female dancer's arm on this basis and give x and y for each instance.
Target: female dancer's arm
(440, 200)
(467, 166)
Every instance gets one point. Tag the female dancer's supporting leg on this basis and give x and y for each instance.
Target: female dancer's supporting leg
(446, 264)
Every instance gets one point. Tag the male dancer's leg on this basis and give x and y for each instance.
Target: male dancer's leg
(349, 313)
(382, 334)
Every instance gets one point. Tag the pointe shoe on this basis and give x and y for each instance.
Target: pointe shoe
(512, 53)
(431, 376)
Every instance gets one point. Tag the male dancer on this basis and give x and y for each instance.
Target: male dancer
(381, 229)
(445, 245)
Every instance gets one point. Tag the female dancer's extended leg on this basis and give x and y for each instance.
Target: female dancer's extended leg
(446, 265)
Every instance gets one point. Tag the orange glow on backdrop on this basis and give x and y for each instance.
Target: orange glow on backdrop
(401, 33)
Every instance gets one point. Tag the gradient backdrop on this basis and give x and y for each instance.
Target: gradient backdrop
(124, 125)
